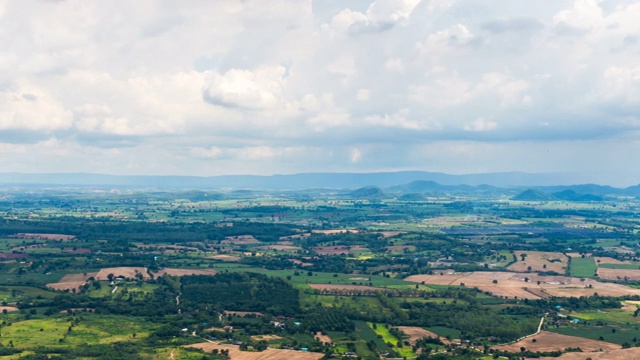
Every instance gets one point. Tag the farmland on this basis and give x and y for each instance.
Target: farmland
(257, 275)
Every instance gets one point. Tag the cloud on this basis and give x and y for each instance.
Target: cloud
(294, 86)
(260, 89)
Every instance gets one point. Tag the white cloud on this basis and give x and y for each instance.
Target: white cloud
(28, 107)
(286, 85)
(260, 89)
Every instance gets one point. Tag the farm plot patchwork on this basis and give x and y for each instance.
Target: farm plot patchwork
(539, 261)
(269, 354)
(549, 341)
(526, 286)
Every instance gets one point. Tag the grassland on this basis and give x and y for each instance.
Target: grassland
(583, 267)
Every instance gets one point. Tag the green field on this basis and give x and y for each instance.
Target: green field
(387, 337)
(620, 266)
(583, 267)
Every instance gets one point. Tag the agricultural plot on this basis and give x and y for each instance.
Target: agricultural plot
(619, 274)
(582, 267)
(538, 261)
(608, 354)
(416, 333)
(397, 345)
(526, 286)
(549, 341)
(126, 272)
(269, 354)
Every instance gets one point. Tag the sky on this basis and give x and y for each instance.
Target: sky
(294, 86)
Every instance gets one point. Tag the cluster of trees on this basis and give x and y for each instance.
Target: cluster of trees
(240, 292)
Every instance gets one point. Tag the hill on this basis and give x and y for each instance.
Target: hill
(533, 195)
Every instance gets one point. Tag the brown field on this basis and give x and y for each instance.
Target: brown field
(344, 287)
(537, 261)
(618, 274)
(337, 250)
(295, 237)
(548, 341)
(325, 339)
(224, 257)
(43, 236)
(280, 247)
(269, 354)
(240, 240)
(401, 247)
(243, 313)
(513, 284)
(331, 250)
(610, 260)
(8, 308)
(388, 234)
(72, 281)
(300, 262)
(127, 272)
(611, 354)
(335, 231)
(416, 333)
(265, 337)
(183, 272)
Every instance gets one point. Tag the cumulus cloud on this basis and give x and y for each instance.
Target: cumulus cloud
(287, 85)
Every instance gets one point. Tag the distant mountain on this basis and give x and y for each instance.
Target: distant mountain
(570, 195)
(422, 186)
(412, 197)
(583, 189)
(368, 192)
(533, 195)
(289, 182)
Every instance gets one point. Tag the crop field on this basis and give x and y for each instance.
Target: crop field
(62, 331)
(416, 333)
(387, 337)
(539, 261)
(606, 354)
(610, 333)
(583, 267)
(269, 354)
(549, 341)
(619, 274)
(510, 285)
(126, 272)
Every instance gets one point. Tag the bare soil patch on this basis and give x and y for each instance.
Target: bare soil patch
(401, 248)
(335, 231)
(416, 333)
(344, 287)
(618, 274)
(183, 272)
(269, 354)
(331, 250)
(539, 261)
(300, 262)
(72, 281)
(221, 257)
(610, 260)
(243, 313)
(389, 234)
(280, 247)
(265, 337)
(325, 339)
(68, 285)
(548, 341)
(8, 308)
(43, 236)
(611, 354)
(240, 240)
(510, 285)
(126, 272)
